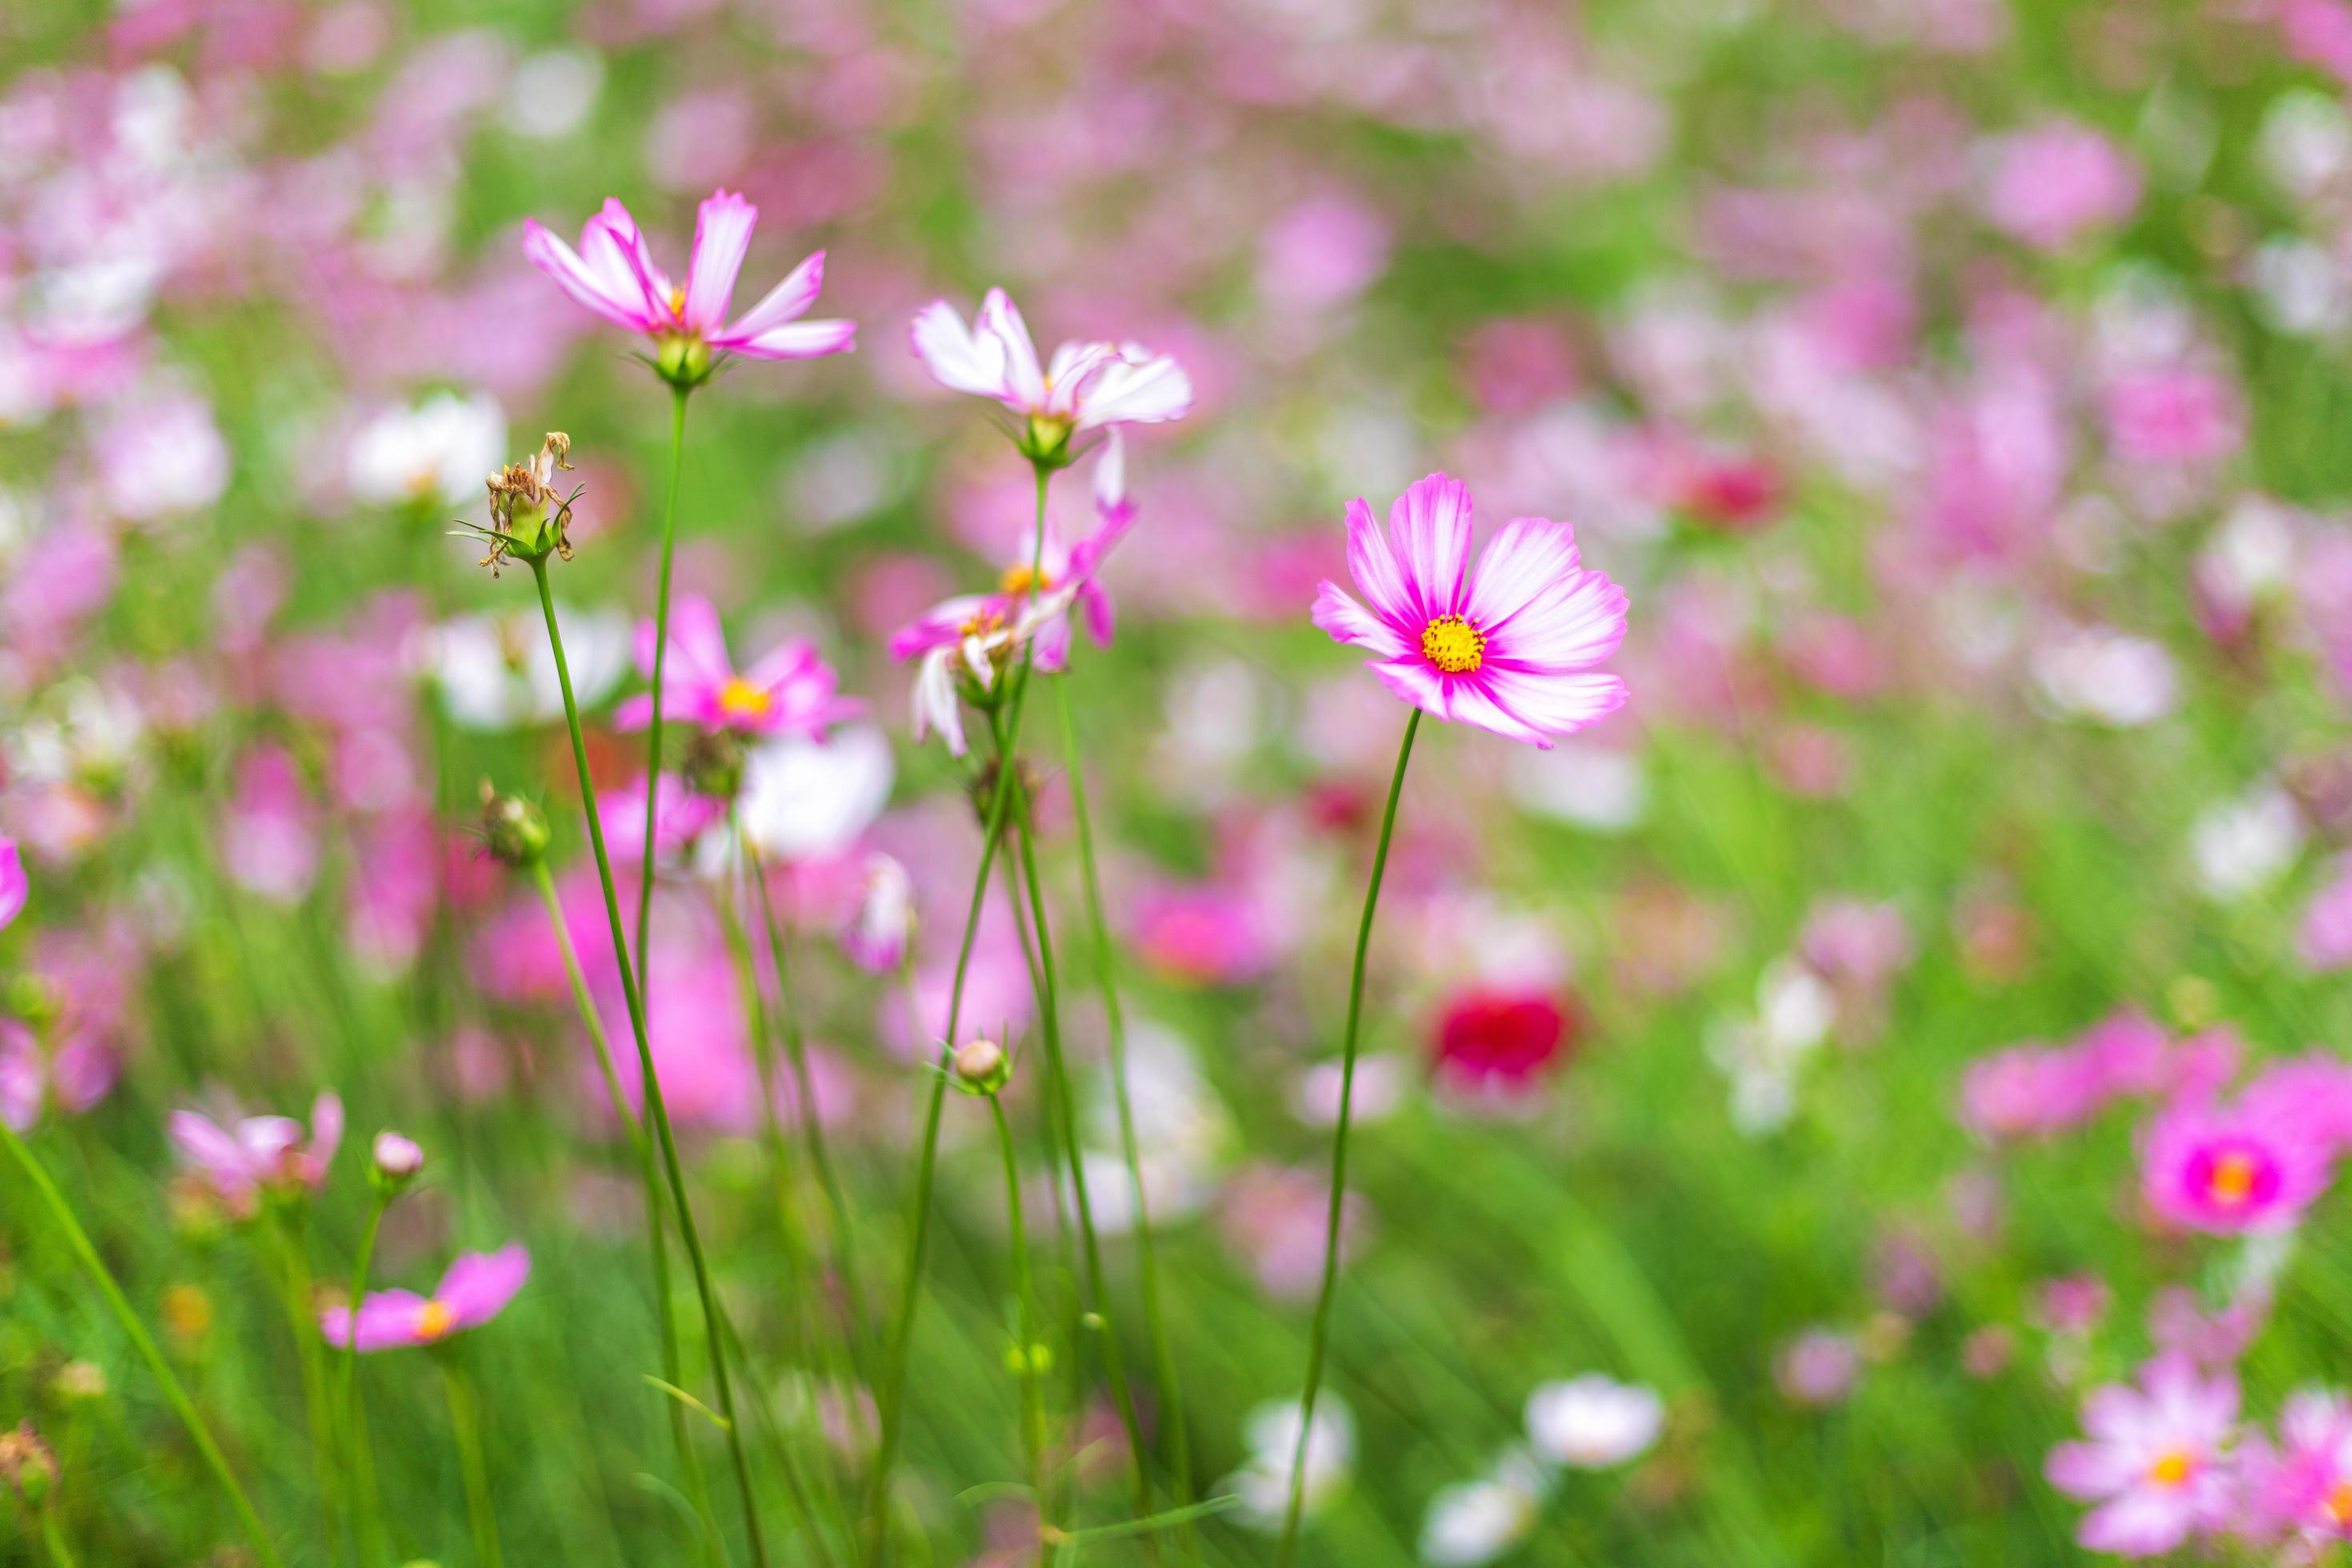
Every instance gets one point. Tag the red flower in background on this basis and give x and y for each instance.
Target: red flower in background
(1495, 1042)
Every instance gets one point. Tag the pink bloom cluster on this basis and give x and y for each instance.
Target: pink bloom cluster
(2029, 1092)
(255, 1155)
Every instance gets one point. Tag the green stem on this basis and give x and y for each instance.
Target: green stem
(367, 1525)
(1032, 1398)
(661, 663)
(53, 1537)
(1090, 1245)
(176, 1396)
(811, 1127)
(301, 1319)
(1317, 1336)
(1164, 1363)
(894, 1383)
(656, 1109)
(466, 1426)
(649, 1178)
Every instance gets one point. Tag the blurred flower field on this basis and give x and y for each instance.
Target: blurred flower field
(1322, 782)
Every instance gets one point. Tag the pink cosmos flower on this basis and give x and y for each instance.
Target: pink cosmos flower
(789, 690)
(260, 1151)
(1084, 386)
(71, 1075)
(613, 274)
(1509, 646)
(2157, 1461)
(2302, 1488)
(2059, 181)
(2230, 1170)
(2325, 939)
(14, 888)
(882, 922)
(976, 633)
(680, 815)
(476, 1289)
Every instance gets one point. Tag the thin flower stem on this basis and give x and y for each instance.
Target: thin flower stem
(893, 1388)
(174, 1394)
(656, 1108)
(367, 1524)
(661, 663)
(698, 1491)
(1317, 1336)
(1032, 1398)
(811, 1127)
(294, 1285)
(1090, 1245)
(1163, 1363)
(53, 1538)
(466, 1426)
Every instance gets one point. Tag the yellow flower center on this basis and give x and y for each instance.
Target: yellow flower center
(435, 1319)
(2232, 1181)
(2173, 1469)
(2338, 1505)
(1019, 580)
(738, 699)
(677, 301)
(1453, 645)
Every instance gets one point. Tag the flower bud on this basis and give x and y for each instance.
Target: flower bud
(27, 1464)
(682, 360)
(514, 830)
(398, 1160)
(981, 1066)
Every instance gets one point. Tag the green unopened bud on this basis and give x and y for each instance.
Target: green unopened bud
(713, 764)
(514, 830)
(683, 360)
(981, 1067)
(1046, 441)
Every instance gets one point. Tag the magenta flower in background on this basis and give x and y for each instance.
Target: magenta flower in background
(1086, 386)
(2157, 1460)
(2060, 180)
(257, 1153)
(613, 274)
(2227, 1171)
(476, 1289)
(1510, 645)
(789, 691)
(15, 887)
(680, 815)
(2302, 1489)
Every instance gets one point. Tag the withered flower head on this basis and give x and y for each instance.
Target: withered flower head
(528, 517)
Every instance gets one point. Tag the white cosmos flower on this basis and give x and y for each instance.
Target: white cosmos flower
(1593, 1422)
(496, 672)
(2106, 676)
(439, 450)
(1263, 1483)
(1474, 1522)
(807, 799)
(2241, 846)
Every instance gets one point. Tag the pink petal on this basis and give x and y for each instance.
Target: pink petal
(386, 1320)
(1126, 392)
(1529, 558)
(14, 888)
(1575, 626)
(2143, 1522)
(1337, 613)
(612, 244)
(722, 235)
(1555, 704)
(697, 647)
(1000, 319)
(326, 1129)
(1378, 574)
(787, 301)
(957, 357)
(1417, 682)
(1070, 372)
(2089, 1470)
(1429, 527)
(797, 340)
(204, 1145)
(478, 1284)
(786, 661)
(584, 283)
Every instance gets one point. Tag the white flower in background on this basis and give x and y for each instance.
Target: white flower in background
(1263, 1483)
(2106, 676)
(552, 92)
(1593, 1422)
(2300, 287)
(805, 800)
(1477, 1522)
(495, 673)
(440, 450)
(2242, 845)
(1763, 1055)
(2306, 143)
(160, 454)
(1380, 1080)
(1181, 1132)
(1599, 788)
(2249, 554)
(85, 732)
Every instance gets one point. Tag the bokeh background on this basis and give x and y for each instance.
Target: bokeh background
(1959, 389)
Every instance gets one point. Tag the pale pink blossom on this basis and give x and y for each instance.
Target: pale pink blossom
(476, 1289)
(614, 275)
(1084, 386)
(256, 1154)
(788, 690)
(2059, 181)
(2157, 1460)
